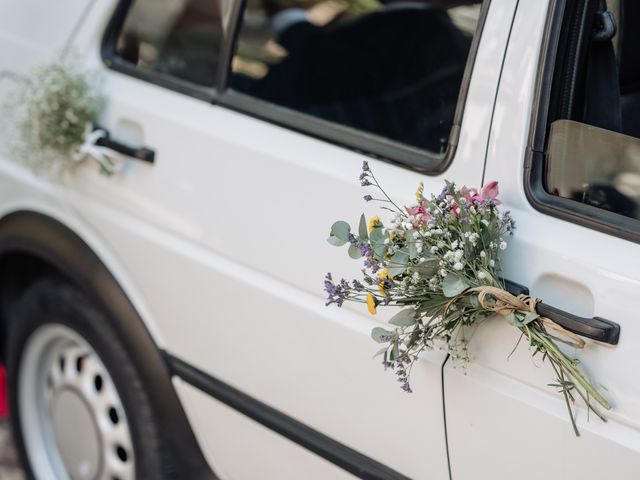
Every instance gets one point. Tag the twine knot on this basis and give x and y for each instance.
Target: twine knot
(504, 303)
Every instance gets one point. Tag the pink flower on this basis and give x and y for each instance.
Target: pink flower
(490, 192)
(421, 209)
(470, 194)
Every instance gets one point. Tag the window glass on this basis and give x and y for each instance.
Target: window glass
(594, 155)
(391, 68)
(180, 38)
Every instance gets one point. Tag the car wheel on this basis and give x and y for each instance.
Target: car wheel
(79, 410)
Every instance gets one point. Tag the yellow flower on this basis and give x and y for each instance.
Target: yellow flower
(373, 223)
(419, 192)
(371, 303)
(384, 274)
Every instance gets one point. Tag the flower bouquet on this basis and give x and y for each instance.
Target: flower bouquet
(52, 111)
(440, 260)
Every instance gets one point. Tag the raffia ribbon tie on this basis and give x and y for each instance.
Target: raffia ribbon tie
(503, 303)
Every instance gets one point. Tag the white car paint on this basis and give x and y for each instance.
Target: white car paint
(221, 248)
(572, 267)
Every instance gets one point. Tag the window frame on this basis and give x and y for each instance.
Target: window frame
(534, 166)
(366, 143)
(369, 144)
(112, 60)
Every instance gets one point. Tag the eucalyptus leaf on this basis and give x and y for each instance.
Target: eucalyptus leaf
(377, 235)
(530, 317)
(395, 351)
(335, 241)
(362, 228)
(426, 269)
(453, 285)
(379, 250)
(380, 352)
(341, 230)
(379, 332)
(411, 244)
(404, 318)
(354, 252)
(398, 263)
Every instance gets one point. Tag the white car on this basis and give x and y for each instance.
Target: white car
(169, 321)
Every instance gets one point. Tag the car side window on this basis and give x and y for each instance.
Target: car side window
(393, 69)
(178, 38)
(593, 154)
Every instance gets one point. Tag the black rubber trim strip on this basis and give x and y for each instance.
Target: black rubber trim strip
(305, 436)
(563, 208)
(27, 233)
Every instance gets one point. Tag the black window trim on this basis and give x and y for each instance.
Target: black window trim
(363, 142)
(111, 59)
(565, 209)
(375, 146)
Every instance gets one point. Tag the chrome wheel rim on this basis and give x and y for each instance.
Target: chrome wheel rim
(71, 416)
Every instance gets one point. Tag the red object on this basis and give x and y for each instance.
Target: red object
(4, 404)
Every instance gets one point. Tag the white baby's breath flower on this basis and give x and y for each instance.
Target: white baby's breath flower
(492, 263)
(483, 254)
(482, 275)
(433, 249)
(443, 272)
(503, 245)
(458, 266)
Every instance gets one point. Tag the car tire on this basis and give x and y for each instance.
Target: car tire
(79, 409)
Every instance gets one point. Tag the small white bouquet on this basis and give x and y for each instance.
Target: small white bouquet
(52, 111)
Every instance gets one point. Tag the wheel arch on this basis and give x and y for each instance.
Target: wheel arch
(33, 244)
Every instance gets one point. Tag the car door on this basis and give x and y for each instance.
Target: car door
(223, 240)
(575, 247)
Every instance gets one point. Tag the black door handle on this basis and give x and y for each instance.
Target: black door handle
(141, 153)
(596, 328)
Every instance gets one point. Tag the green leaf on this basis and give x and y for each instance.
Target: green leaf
(453, 285)
(398, 263)
(411, 243)
(404, 318)
(362, 228)
(512, 319)
(380, 352)
(379, 250)
(530, 317)
(376, 235)
(395, 351)
(335, 241)
(354, 252)
(341, 230)
(427, 269)
(475, 303)
(378, 332)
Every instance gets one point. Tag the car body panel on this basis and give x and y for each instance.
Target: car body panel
(571, 267)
